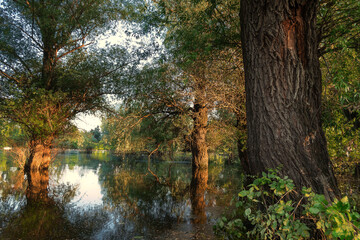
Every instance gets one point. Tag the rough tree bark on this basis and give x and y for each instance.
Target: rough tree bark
(48, 28)
(283, 92)
(40, 155)
(49, 64)
(199, 152)
(198, 137)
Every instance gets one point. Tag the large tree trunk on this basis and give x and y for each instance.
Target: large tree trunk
(48, 25)
(49, 63)
(200, 156)
(198, 138)
(199, 149)
(283, 92)
(40, 155)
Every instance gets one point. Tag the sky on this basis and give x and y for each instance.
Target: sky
(87, 122)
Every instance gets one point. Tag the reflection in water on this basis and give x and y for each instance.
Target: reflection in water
(197, 194)
(41, 217)
(87, 183)
(85, 197)
(37, 189)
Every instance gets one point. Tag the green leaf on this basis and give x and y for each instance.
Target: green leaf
(247, 212)
(314, 210)
(243, 193)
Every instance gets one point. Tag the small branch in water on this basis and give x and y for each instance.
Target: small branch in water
(167, 183)
(149, 162)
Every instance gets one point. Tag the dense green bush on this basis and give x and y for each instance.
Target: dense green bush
(265, 210)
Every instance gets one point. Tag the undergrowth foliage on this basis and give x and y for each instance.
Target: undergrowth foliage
(265, 210)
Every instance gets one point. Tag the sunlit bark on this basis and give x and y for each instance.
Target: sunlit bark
(40, 155)
(197, 194)
(37, 189)
(199, 150)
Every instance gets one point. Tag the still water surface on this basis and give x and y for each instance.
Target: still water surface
(99, 196)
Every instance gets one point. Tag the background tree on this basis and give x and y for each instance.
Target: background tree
(193, 36)
(96, 133)
(152, 115)
(339, 49)
(11, 134)
(48, 72)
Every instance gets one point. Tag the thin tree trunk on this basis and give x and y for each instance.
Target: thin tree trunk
(283, 92)
(244, 161)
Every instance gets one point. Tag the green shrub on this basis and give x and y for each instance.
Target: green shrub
(265, 210)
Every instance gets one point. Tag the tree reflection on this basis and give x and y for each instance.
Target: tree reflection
(134, 203)
(41, 217)
(197, 194)
(143, 203)
(37, 189)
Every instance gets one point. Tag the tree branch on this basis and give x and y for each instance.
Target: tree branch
(72, 50)
(9, 77)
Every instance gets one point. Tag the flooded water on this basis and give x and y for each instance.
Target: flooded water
(99, 196)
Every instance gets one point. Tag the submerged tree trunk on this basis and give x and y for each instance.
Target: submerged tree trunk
(283, 92)
(197, 194)
(37, 190)
(200, 156)
(40, 155)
